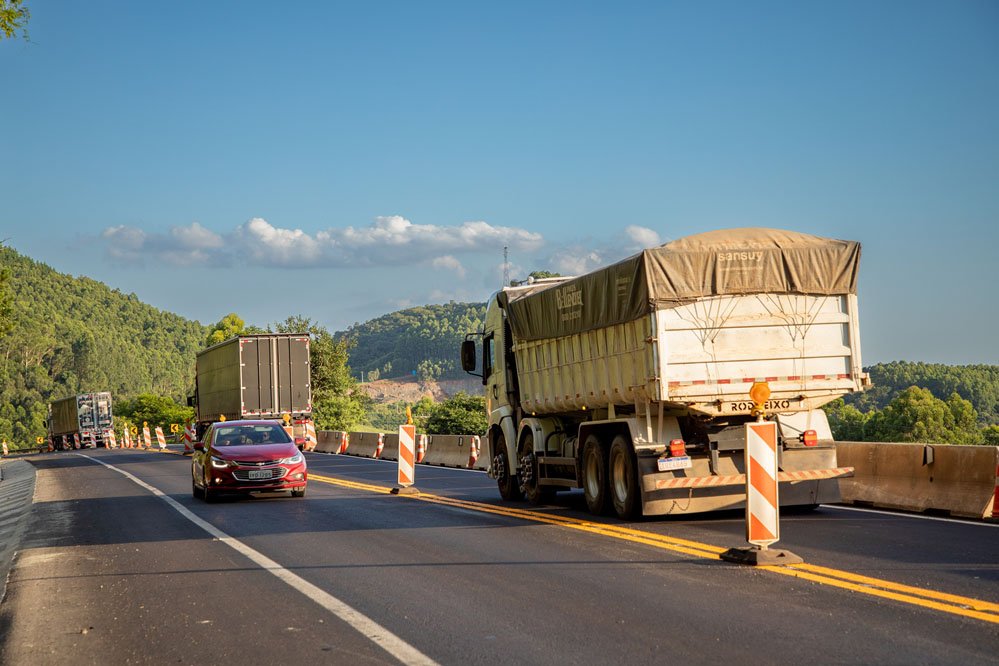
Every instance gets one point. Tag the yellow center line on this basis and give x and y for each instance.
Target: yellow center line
(926, 598)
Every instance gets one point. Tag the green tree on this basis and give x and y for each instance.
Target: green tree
(540, 275)
(846, 421)
(227, 327)
(461, 414)
(6, 304)
(152, 409)
(13, 18)
(917, 416)
(387, 417)
(337, 402)
(990, 435)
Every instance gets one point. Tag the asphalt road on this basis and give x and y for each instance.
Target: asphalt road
(110, 572)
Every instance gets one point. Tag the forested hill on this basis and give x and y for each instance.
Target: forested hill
(978, 384)
(73, 335)
(425, 340)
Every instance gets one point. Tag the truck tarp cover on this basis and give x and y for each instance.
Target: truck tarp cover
(726, 262)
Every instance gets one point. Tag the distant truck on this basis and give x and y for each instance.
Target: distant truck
(255, 377)
(632, 381)
(80, 421)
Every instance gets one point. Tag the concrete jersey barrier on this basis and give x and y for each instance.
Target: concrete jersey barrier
(958, 480)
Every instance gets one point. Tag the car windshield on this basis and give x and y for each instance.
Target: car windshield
(243, 435)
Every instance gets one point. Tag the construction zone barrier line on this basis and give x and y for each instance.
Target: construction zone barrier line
(464, 451)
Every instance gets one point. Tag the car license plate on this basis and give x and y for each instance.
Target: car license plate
(677, 462)
(260, 474)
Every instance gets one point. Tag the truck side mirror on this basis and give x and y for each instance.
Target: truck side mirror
(468, 356)
(190, 401)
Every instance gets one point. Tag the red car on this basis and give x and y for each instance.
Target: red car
(246, 457)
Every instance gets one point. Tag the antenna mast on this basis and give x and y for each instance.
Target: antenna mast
(506, 266)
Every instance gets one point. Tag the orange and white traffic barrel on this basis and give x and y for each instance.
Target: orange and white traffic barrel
(473, 451)
(380, 446)
(344, 442)
(421, 448)
(189, 436)
(110, 441)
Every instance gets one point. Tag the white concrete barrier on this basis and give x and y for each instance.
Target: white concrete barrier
(958, 480)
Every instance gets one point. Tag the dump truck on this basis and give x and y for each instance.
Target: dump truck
(262, 376)
(82, 420)
(633, 381)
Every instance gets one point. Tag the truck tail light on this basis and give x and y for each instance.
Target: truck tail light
(677, 448)
(809, 438)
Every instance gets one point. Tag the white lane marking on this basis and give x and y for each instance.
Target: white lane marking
(364, 625)
(899, 514)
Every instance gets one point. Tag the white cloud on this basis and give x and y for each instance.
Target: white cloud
(196, 237)
(447, 262)
(268, 245)
(641, 237)
(388, 239)
(577, 260)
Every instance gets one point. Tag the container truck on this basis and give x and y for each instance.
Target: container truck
(632, 382)
(82, 420)
(255, 377)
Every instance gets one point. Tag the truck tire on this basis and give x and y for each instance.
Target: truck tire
(622, 470)
(506, 481)
(594, 473)
(528, 477)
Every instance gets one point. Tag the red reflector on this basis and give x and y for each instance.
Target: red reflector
(809, 438)
(677, 448)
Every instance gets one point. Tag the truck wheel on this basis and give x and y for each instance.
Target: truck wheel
(623, 482)
(529, 483)
(509, 489)
(595, 476)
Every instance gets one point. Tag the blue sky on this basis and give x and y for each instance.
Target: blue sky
(344, 160)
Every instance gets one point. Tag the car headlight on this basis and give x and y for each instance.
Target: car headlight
(219, 463)
(293, 460)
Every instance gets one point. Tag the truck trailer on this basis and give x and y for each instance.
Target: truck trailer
(632, 381)
(255, 377)
(82, 420)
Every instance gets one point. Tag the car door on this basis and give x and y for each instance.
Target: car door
(200, 458)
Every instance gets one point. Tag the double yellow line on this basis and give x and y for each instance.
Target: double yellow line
(875, 587)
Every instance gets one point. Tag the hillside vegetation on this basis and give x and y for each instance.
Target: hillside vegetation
(424, 341)
(71, 335)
